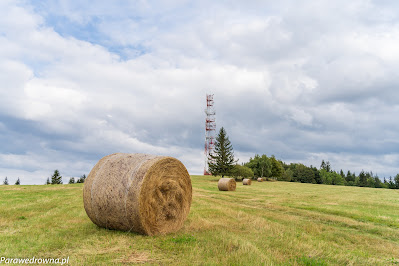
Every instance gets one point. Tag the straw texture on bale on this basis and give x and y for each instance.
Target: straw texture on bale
(260, 179)
(246, 181)
(142, 193)
(227, 184)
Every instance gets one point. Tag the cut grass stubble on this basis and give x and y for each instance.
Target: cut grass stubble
(265, 223)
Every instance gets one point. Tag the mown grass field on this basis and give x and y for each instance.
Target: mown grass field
(269, 223)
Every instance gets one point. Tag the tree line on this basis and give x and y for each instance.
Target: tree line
(269, 167)
(55, 179)
(222, 163)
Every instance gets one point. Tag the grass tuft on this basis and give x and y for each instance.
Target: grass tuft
(310, 261)
(183, 239)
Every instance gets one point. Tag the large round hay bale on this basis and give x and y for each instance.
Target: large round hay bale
(260, 179)
(246, 181)
(143, 193)
(227, 184)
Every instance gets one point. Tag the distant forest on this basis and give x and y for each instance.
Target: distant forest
(273, 169)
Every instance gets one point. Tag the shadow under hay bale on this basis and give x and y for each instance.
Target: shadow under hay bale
(142, 193)
(260, 179)
(227, 184)
(246, 182)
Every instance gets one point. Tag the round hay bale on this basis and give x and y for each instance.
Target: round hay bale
(142, 193)
(246, 182)
(227, 184)
(260, 179)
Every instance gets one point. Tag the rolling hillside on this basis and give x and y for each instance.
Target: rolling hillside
(275, 223)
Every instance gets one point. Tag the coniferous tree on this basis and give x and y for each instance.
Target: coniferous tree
(348, 175)
(317, 177)
(362, 179)
(56, 178)
(71, 180)
(328, 166)
(18, 182)
(391, 184)
(396, 181)
(5, 182)
(48, 181)
(81, 179)
(350, 179)
(342, 174)
(370, 181)
(325, 165)
(222, 161)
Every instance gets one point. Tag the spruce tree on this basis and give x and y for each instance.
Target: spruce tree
(71, 180)
(322, 165)
(222, 161)
(48, 181)
(56, 178)
(362, 179)
(342, 174)
(81, 179)
(349, 177)
(325, 165)
(18, 182)
(5, 181)
(328, 166)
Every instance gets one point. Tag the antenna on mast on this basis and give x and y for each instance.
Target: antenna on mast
(210, 129)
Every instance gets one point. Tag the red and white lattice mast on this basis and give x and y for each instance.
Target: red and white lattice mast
(210, 129)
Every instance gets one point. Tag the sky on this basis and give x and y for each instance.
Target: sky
(305, 81)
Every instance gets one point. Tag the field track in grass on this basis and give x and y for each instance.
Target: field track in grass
(269, 223)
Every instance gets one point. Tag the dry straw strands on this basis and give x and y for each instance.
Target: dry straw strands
(143, 193)
(246, 181)
(260, 179)
(227, 184)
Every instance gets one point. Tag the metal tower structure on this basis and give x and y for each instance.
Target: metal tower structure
(210, 129)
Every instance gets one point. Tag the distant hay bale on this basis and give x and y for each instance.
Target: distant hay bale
(227, 184)
(143, 193)
(260, 179)
(246, 181)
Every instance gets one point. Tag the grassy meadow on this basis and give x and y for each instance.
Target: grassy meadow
(268, 223)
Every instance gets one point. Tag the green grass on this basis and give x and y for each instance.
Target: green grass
(268, 223)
